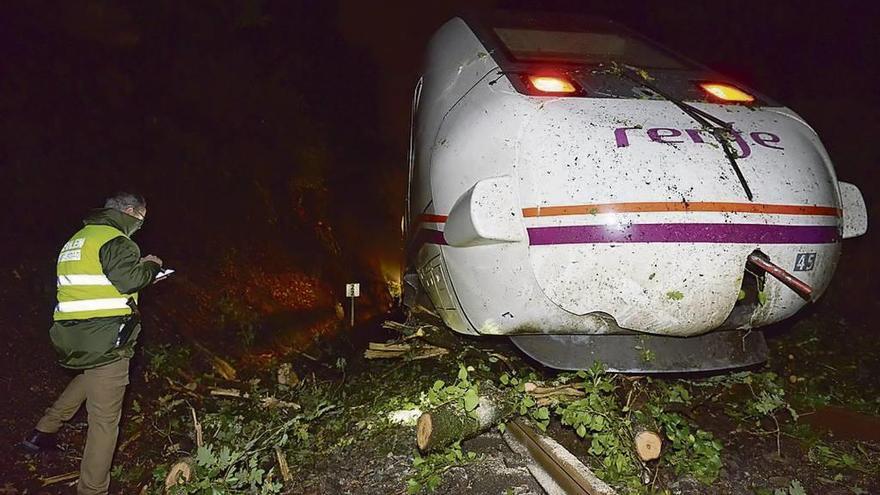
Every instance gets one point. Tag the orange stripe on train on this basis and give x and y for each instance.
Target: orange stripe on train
(659, 207)
(679, 206)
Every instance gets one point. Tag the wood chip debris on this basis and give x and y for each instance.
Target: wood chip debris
(274, 403)
(282, 465)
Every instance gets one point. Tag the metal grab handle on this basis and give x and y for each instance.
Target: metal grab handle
(799, 286)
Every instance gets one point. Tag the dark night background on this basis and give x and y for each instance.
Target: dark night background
(269, 137)
(252, 119)
(246, 123)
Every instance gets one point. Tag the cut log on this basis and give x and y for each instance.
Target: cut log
(180, 473)
(449, 422)
(648, 444)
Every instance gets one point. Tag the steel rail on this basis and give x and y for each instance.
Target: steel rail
(563, 473)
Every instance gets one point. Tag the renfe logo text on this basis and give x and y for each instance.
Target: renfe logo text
(672, 136)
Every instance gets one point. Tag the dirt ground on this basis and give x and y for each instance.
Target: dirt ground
(826, 362)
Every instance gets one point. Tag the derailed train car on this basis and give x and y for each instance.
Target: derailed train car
(593, 196)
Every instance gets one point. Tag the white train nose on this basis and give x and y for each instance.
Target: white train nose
(647, 222)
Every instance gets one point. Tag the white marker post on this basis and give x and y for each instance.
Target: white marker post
(352, 291)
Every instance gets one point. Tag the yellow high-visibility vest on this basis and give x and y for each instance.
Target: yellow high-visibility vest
(83, 289)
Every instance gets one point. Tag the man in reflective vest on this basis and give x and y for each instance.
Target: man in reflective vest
(100, 271)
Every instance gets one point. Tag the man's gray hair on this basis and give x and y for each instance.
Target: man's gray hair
(122, 200)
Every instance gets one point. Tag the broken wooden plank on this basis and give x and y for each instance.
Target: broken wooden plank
(377, 350)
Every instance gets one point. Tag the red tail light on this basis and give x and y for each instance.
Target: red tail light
(726, 92)
(551, 85)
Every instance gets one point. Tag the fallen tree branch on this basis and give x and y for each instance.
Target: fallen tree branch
(129, 440)
(545, 396)
(229, 392)
(433, 334)
(61, 478)
(535, 389)
(197, 427)
(220, 365)
(449, 422)
(182, 389)
(429, 352)
(646, 441)
(378, 346)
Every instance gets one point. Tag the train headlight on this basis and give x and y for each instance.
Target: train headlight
(726, 92)
(552, 84)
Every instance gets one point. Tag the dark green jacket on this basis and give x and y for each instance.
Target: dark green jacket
(83, 344)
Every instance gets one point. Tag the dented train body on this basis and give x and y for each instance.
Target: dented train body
(569, 179)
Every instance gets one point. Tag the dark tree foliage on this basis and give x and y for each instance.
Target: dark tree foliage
(244, 123)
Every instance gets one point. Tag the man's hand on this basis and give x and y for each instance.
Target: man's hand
(154, 259)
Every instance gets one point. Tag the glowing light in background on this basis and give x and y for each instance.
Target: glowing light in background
(390, 271)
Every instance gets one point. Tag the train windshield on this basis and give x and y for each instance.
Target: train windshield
(601, 46)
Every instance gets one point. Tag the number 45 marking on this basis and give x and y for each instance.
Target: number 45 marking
(805, 262)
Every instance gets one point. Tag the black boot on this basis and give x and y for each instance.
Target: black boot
(38, 442)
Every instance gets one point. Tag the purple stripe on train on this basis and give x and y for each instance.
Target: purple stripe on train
(685, 232)
(429, 236)
(666, 232)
